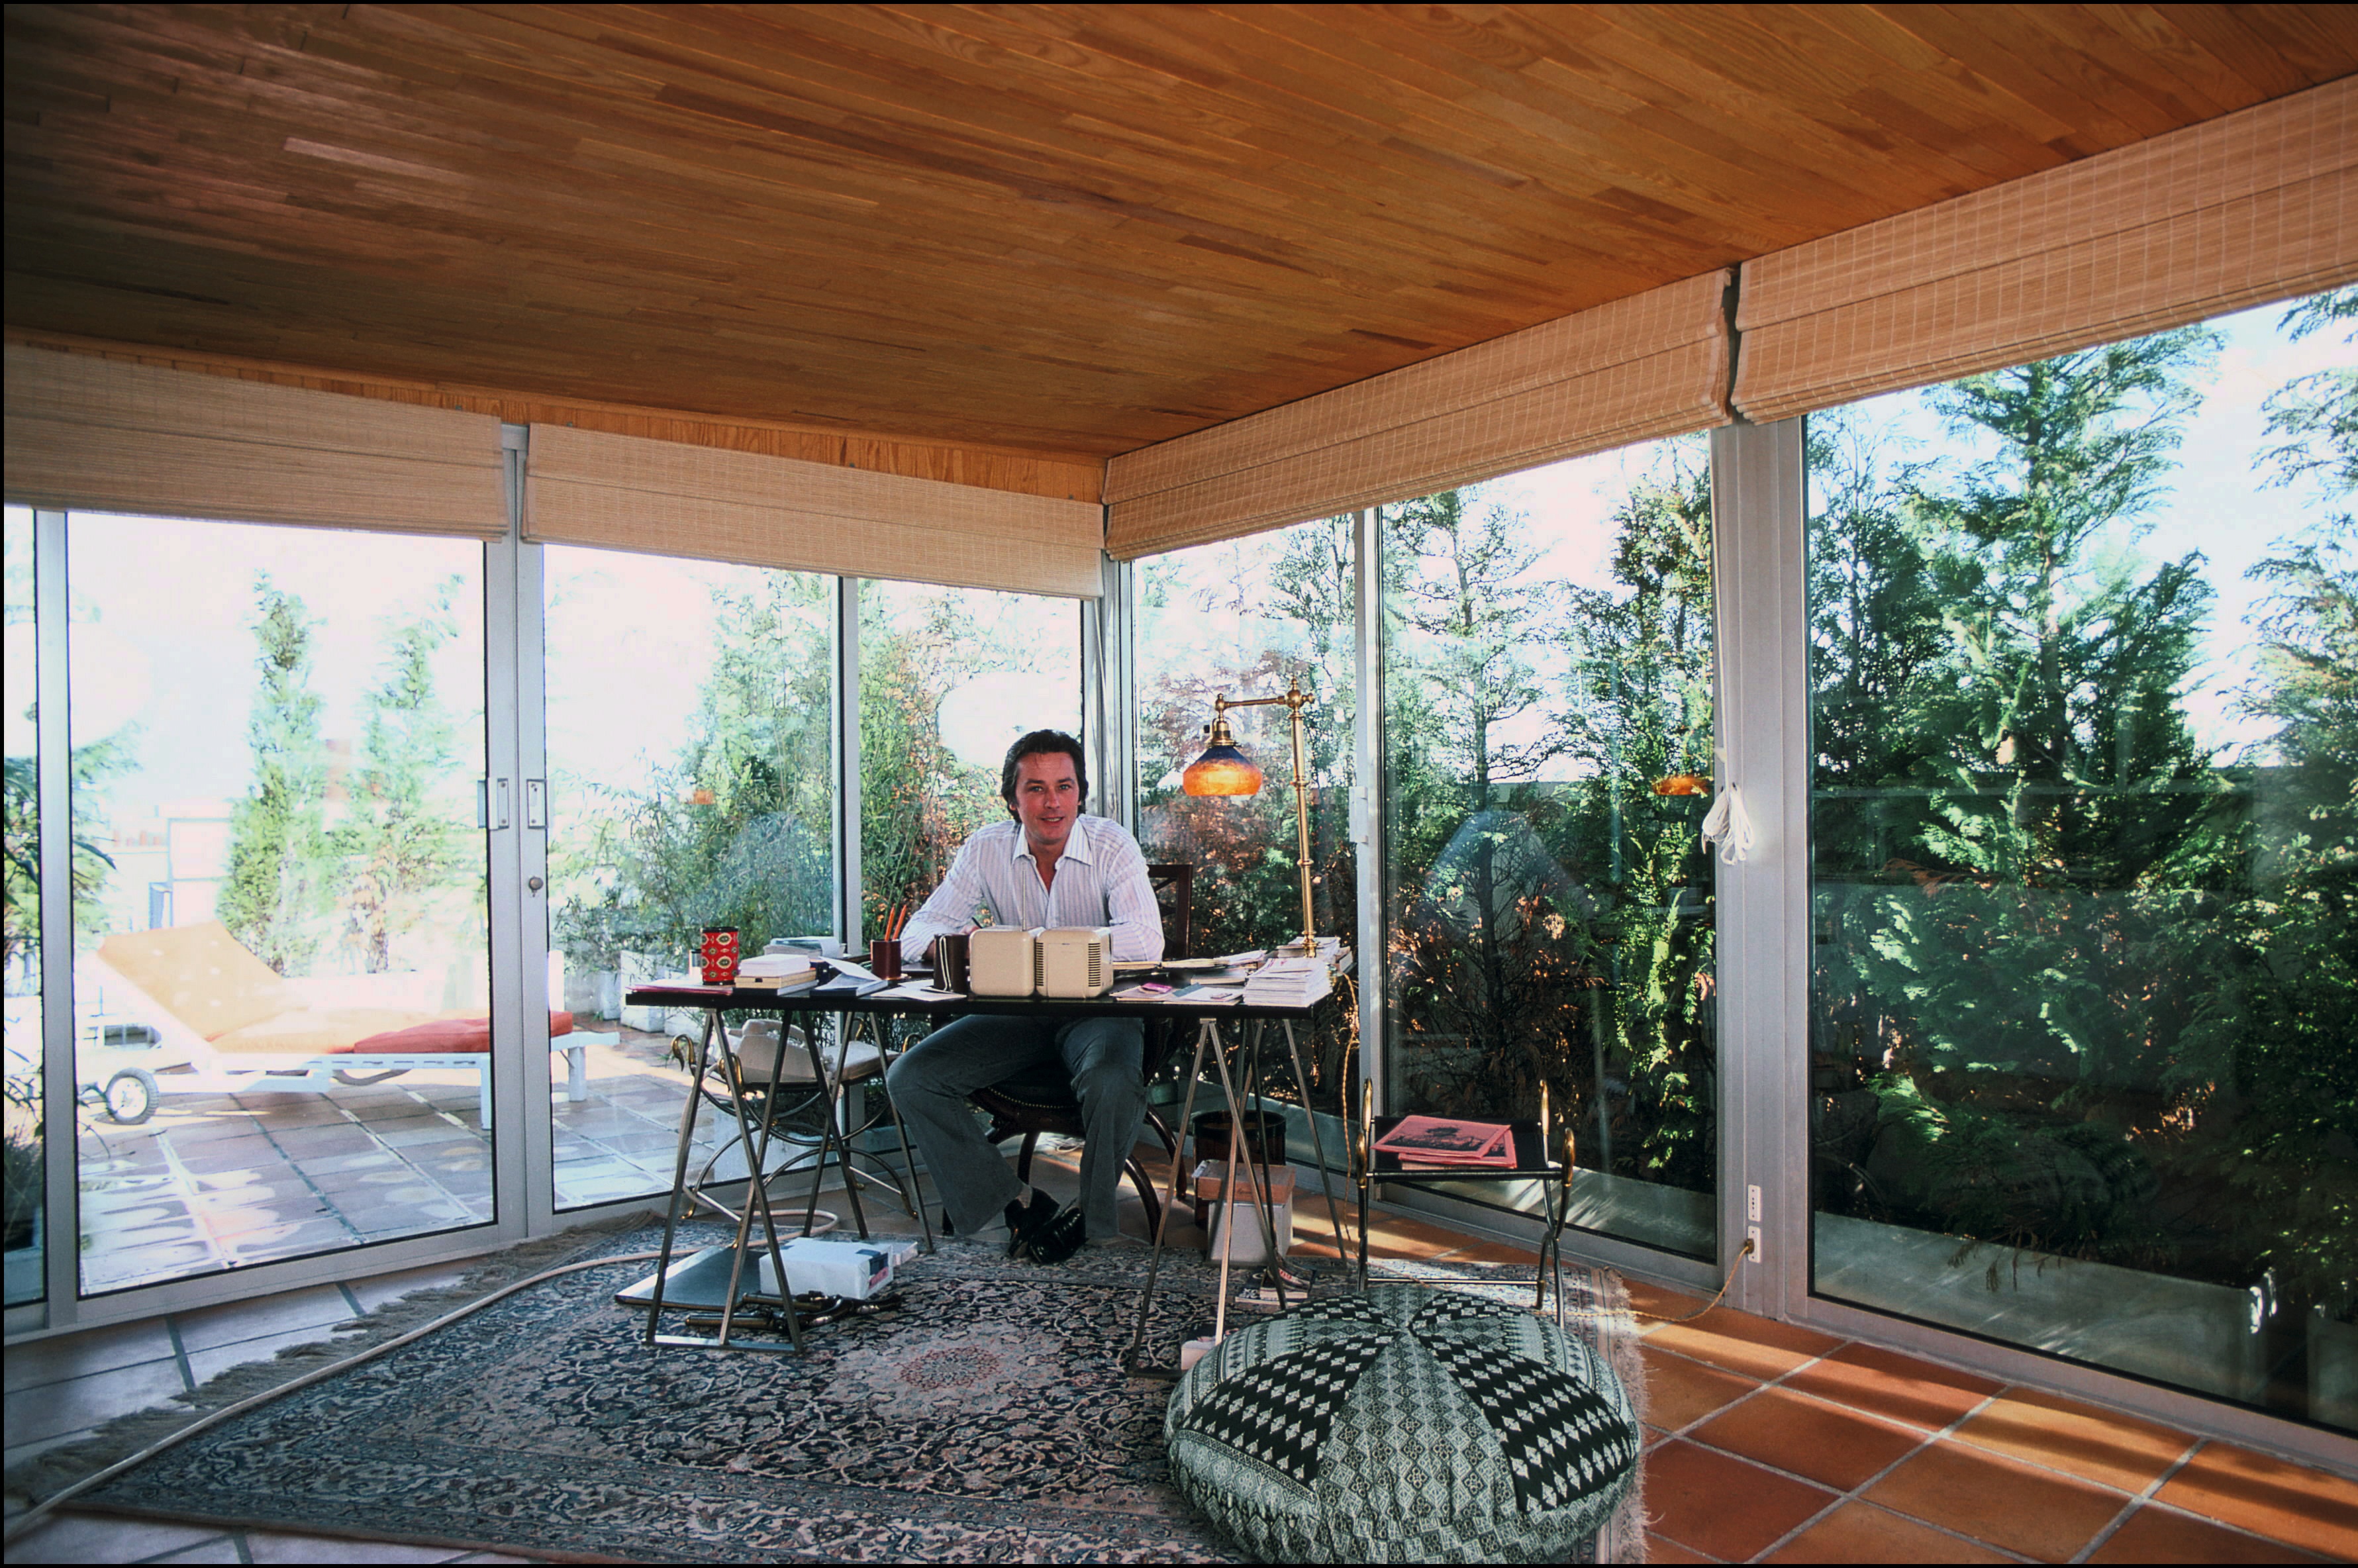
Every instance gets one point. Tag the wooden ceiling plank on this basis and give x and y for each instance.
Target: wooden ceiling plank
(2317, 39)
(1496, 103)
(1726, 123)
(1985, 129)
(1755, 64)
(2115, 66)
(2097, 125)
(2160, 33)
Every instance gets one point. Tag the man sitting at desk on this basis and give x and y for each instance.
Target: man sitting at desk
(1051, 865)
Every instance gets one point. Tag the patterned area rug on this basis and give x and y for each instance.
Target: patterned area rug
(989, 1420)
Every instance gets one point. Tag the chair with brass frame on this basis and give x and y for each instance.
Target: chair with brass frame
(1032, 1104)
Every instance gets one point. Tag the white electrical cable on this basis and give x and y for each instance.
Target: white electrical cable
(1729, 826)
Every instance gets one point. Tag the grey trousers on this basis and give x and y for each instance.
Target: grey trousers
(1105, 1057)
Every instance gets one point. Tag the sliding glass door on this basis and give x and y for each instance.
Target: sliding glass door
(690, 743)
(1548, 760)
(281, 956)
(2083, 1071)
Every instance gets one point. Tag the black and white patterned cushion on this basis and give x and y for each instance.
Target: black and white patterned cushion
(1407, 1424)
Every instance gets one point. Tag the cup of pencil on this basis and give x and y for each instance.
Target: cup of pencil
(884, 952)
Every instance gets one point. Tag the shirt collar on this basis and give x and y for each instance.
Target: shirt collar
(1076, 844)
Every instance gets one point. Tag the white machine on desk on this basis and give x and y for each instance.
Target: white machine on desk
(1067, 962)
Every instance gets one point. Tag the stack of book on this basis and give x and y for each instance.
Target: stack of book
(1443, 1143)
(1287, 982)
(787, 973)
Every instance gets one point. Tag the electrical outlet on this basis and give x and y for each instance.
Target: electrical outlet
(1752, 1205)
(1752, 1234)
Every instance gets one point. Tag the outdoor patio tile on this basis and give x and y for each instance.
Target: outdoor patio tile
(318, 1167)
(1722, 1506)
(91, 1350)
(203, 1328)
(411, 1130)
(96, 1538)
(1826, 1444)
(121, 1267)
(649, 1141)
(1998, 1500)
(187, 1135)
(2067, 1434)
(240, 1155)
(1886, 1383)
(272, 1243)
(2164, 1535)
(143, 1211)
(1861, 1533)
(1680, 1392)
(54, 1408)
(2287, 1502)
(282, 1193)
(318, 1143)
(1739, 1342)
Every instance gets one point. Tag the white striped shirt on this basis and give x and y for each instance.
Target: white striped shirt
(1100, 881)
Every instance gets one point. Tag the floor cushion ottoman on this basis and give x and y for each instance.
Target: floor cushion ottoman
(1404, 1424)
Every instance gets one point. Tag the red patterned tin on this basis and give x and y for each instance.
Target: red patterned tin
(719, 954)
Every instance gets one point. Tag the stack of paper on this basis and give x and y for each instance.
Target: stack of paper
(786, 972)
(1287, 982)
(1442, 1141)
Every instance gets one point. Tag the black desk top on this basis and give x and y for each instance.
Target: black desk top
(739, 999)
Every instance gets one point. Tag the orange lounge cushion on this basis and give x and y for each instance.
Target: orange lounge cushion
(369, 1030)
(441, 1035)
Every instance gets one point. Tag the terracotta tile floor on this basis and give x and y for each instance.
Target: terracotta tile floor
(1765, 1442)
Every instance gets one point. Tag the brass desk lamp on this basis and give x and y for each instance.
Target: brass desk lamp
(1225, 770)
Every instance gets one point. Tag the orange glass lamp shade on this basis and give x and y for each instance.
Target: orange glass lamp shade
(1222, 769)
(1682, 783)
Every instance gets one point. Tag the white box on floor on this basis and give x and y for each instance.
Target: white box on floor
(851, 1268)
(1252, 1247)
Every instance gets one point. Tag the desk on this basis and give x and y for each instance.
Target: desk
(715, 1000)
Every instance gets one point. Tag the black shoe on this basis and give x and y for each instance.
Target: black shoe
(1023, 1224)
(1064, 1234)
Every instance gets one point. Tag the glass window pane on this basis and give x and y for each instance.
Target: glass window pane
(1248, 619)
(949, 677)
(21, 1181)
(2083, 1069)
(276, 738)
(690, 744)
(1548, 758)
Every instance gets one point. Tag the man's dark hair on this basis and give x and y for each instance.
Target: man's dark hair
(1040, 743)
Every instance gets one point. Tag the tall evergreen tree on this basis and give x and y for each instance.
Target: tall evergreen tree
(277, 887)
(402, 843)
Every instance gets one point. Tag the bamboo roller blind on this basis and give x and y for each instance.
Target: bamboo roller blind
(586, 487)
(2253, 207)
(1653, 364)
(108, 436)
